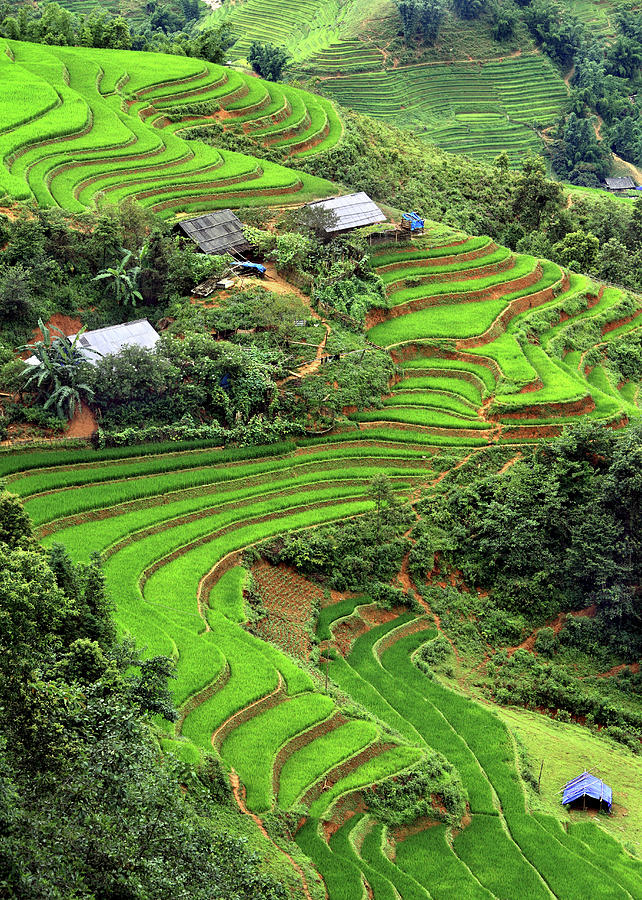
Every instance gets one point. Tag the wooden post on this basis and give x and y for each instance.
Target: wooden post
(539, 780)
(327, 661)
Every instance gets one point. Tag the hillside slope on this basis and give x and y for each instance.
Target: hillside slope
(493, 344)
(81, 124)
(489, 344)
(468, 93)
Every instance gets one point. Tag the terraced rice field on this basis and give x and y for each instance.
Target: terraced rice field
(483, 338)
(486, 340)
(169, 525)
(303, 27)
(78, 125)
(477, 108)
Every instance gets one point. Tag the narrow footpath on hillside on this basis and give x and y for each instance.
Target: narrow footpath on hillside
(278, 285)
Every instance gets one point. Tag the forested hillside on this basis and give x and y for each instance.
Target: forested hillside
(328, 589)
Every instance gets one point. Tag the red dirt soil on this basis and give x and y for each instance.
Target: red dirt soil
(347, 631)
(556, 624)
(67, 324)
(289, 599)
(634, 667)
(83, 424)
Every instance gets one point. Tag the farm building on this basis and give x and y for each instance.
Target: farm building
(589, 790)
(111, 340)
(346, 213)
(624, 183)
(217, 232)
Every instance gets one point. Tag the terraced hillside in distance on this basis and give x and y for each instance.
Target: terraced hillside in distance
(78, 125)
(303, 27)
(477, 108)
(493, 344)
(467, 94)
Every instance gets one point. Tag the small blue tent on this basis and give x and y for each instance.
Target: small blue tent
(587, 785)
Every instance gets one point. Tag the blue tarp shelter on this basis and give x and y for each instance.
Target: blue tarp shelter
(587, 785)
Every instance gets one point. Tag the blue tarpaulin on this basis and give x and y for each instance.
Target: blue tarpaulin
(587, 785)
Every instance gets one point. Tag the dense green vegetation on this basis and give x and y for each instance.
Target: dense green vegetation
(88, 802)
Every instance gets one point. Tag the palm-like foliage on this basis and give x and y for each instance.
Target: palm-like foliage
(56, 376)
(123, 280)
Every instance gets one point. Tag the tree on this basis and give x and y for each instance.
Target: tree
(624, 58)
(16, 294)
(123, 281)
(421, 18)
(431, 15)
(558, 33)
(154, 266)
(89, 807)
(267, 60)
(504, 19)
(612, 261)
(58, 375)
(578, 250)
(536, 197)
(468, 9)
(211, 44)
(15, 524)
(559, 532)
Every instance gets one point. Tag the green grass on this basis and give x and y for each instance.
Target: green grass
(566, 751)
(523, 266)
(457, 320)
(451, 385)
(307, 765)
(430, 861)
(251, 747)
(116, 150)
(372, 851)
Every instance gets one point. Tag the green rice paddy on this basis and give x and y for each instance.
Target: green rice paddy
(80, 125)
(171, 523)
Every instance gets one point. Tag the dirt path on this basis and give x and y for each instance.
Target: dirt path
(278, 285)
(511, 462)
(556, 624)
(239, 798)
(312, 367)
(569, 75)
(634, 667)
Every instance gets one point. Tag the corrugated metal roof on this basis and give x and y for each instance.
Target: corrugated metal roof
(216, 232)
(350, 211)
(587, 785)
(112, 339)
(619, 184)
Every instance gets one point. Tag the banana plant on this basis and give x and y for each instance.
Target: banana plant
(123, 280)
(56, 375)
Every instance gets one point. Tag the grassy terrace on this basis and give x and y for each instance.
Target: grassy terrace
(162, 521)
(476, 108)
(458, 322)
(86, 131)
(304, 27)
(171, 521)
